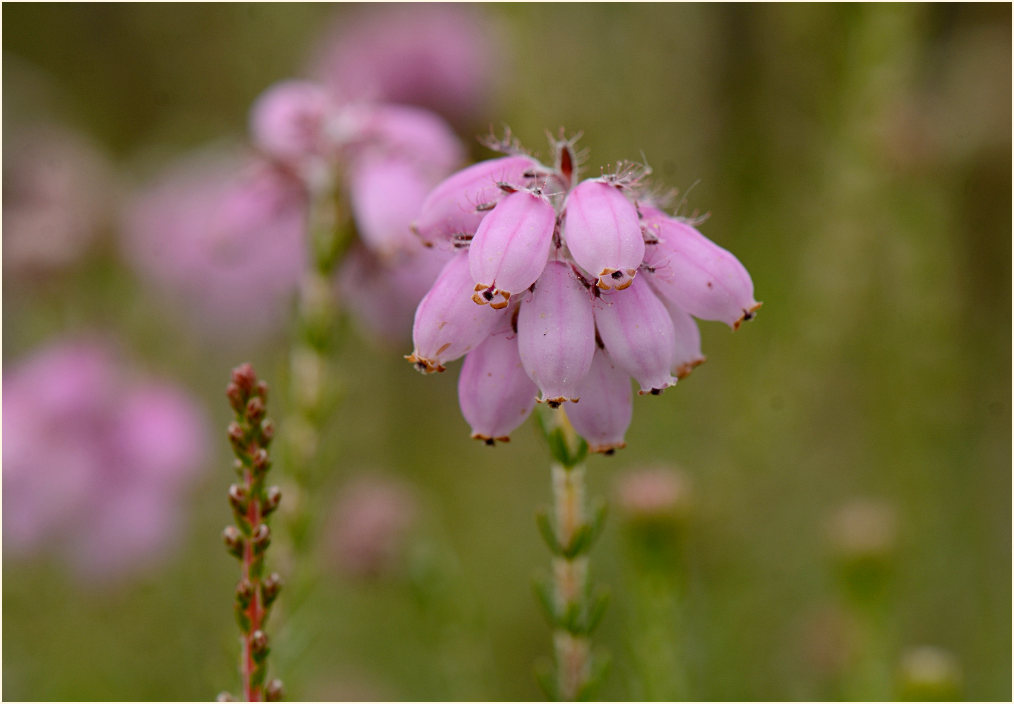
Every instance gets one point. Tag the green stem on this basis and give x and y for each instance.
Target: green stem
(570, 582)
(572, 609)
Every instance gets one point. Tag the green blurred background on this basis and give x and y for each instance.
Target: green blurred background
(855, 158)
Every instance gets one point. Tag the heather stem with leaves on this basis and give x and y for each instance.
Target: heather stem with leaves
(571, 607)
(310, 383)
(252, 502)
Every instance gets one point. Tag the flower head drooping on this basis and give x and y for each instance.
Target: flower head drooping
(590, 279)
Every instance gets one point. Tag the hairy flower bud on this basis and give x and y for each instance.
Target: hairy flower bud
(556, 334)
(385, 194)
(688, 340)
(696, 274)
(603, 233)
(447, 323)
(638, 333)
(458, 204)
(287, 120)
(510, 248)
(495, 394)
(606, 407)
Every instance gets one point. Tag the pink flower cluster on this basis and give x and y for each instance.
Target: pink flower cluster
(563, 289)
(96, 462)
(227, 237)
(221, 236)
(386, 158)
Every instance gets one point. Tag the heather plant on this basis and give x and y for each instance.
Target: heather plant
(559, 291)
(856, 158)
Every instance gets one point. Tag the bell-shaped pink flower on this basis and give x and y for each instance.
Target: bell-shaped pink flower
(386, 194)
(447, 323)
(556, 334)
(399, 130)
(495, 394)
(688, 340)
(638, 333)
(510, 248)
(606, 407)
(603, 233)
(287, 120)
(696, 274)
(458, 204)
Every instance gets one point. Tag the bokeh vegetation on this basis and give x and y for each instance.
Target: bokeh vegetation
(856, 158)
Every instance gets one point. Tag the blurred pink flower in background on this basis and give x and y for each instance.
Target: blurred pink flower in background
(437, 56)
(384, 159)
(96, 460)
(369, 525)
(56, 198)
(222, 237)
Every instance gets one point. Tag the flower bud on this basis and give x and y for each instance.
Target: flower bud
(233, 540)
(244, 377)
(654, 495)
(688, 339)
(261, 538)
(606, 407)
(403, 131)
(929, 674)
(863, 534)
(255, 409)
(510, 247)
(274, 692)
(270, 588)
(286, 121)
(386, 193)
(244, 592)
(447, 323)
(237, 400)
(458, 204)
(272, 499)
(696, 274)
(259, 644)
(556, 334)
(495, 394)
(268, 429)
(603, 233)
(637, 331)
(238, 498)
(260, 459)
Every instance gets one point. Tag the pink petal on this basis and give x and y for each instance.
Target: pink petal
(556, 334)
(603, 233)
(447, 323)
(402, 131)
(495, 393)
(606, 407)
(458, 205)
(696, 274)
(638, 333)
(510, 248)
(386, 194)
(286, 121)
(688, 339)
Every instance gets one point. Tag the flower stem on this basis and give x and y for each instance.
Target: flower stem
(572, 610)
(311, 386)
(570, 580)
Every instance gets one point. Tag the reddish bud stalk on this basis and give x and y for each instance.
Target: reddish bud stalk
(251, 504)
